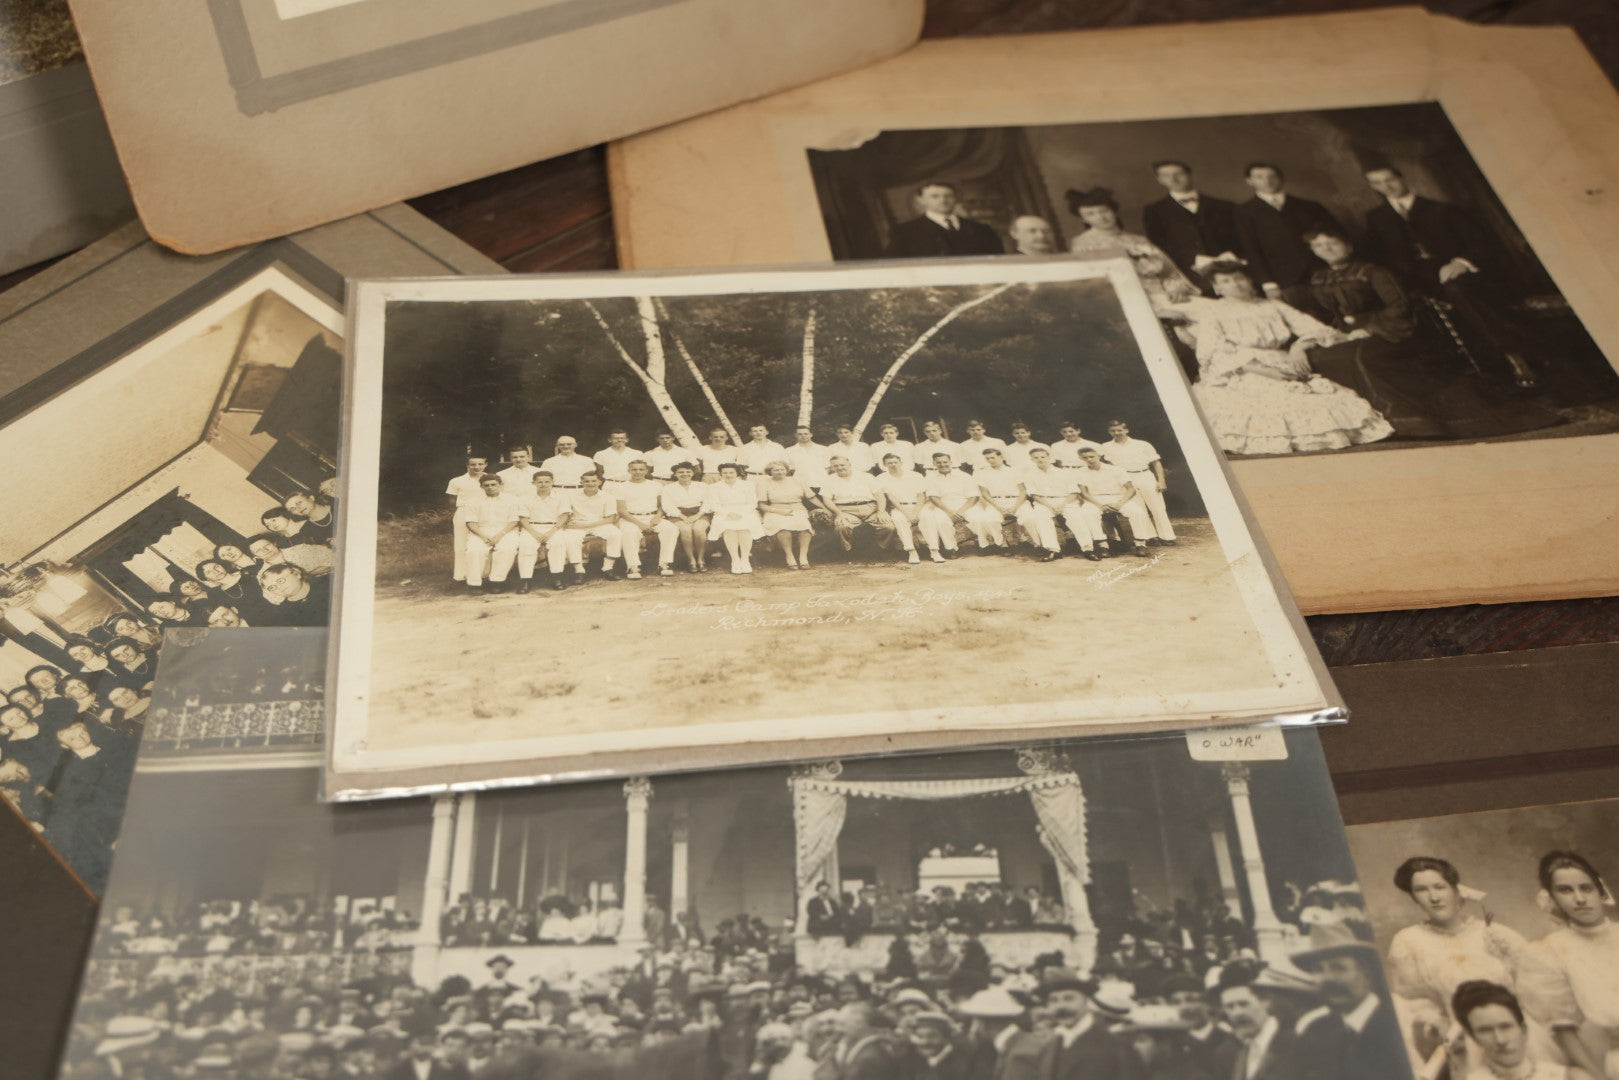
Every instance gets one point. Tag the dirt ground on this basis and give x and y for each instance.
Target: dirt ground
(838, 638)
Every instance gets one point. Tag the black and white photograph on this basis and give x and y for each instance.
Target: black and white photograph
(718, 509)
(1173, 914)
(210, 503)
(1331, 279)
(1499, 937)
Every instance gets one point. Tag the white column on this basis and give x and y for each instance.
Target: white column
(1229, 892)
(680, 869)
(637, 796)
(438, 869)
(465, 839)
(1267, 928)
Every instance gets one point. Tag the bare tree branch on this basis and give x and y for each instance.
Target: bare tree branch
(916, 347)
(655, 388)
(697, 373)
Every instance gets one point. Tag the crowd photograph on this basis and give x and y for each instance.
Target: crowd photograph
(803, 473)
(1331, 279)
(220, 515)
(1499, 939)
(973, 915)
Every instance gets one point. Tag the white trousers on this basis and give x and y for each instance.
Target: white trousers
(939, 531)
(1041, 522)
(905, 522)
(458, 524)
(1146, 485)
(990, 525)
(528, 552)
(632, 537)
(608, 534)
(1134, 511)
(500, 559)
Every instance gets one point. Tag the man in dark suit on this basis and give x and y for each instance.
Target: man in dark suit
(1270, 235)
(1269, 1050)
(941, 229)
(825, 914)
(1211, 1046)
(1355, 1035)
(1194, 229)
(1080, 1047)
(998, 1046)
(423, 1062)
(859, 914)
(1437, 250)
(866, 1048)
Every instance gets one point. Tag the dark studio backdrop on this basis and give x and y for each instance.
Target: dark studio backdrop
(490, 375)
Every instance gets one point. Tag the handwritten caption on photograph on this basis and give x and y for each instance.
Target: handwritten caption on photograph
(829, 609)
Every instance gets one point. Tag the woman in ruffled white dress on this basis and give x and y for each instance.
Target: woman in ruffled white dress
(1175, 297)
(1254, 379)
(735, 504)
(1572, 980)
(1452, 944)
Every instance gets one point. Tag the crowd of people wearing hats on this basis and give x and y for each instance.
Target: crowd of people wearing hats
(1158, 1003)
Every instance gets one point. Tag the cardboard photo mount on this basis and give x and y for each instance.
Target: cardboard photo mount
(1397, 528)
(311, 112)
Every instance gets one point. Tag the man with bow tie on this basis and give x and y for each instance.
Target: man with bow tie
(1192, 228)
(941, 229)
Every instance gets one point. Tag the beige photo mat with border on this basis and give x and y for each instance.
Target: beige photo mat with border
(1414, 527)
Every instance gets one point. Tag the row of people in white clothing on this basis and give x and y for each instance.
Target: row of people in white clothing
(504, 528)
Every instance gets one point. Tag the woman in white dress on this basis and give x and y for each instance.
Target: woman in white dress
(1254, 379)
(736, 516)
(1572, 980)
(783, 514)
(685, 503)
(1451, 945)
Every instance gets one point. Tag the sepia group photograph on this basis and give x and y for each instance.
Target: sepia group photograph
(1499, 939)
(1331, 279)
(679, 511)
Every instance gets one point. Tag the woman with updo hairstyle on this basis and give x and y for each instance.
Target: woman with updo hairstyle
(1572, 979)
(1456, 941)
(1167, 288)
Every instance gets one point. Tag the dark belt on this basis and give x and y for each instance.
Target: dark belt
(864, 502)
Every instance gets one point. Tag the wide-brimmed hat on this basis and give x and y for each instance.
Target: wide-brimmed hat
(1061, 978)
(1283, 977)
(994, 1003)
(1329, 939)
(129, 1033)
(913, 996)
(1151, 1018)
(500, 958)
(1114, 999)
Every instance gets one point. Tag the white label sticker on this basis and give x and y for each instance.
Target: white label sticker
(293, 9)
(1237, 744)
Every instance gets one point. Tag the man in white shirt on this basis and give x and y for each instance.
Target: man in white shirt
(889, 442)
(640, 514)
(1145, 468)
(952, 500)
(615, 459)
(859, 454)
(464, 491)
(1107, 494)
(904, 493)
(518, 477)
(1065, 452)
(1000, 487)
(567, 465)
(806, 458)
(1053, 493)
(1017, 451)
(854, 503)
(592, 512)
(543, 517)
(933, 442)
(491, 533)
(715, 452)
(759, 451)
(665, 456)
(971, 449)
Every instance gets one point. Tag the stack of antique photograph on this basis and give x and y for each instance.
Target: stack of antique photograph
(1100, 569)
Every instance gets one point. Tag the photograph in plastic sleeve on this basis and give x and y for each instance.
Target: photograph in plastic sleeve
(1123, 901)
(730, 509)
(1499, 938)
(210, 502)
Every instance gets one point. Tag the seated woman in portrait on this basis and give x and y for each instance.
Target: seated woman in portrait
(1407, 372)
(736, 516)
(1572, 978)
(1174, 296)
(784, 514)
(1255, 382)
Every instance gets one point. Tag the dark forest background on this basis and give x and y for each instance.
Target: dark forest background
(489, 375)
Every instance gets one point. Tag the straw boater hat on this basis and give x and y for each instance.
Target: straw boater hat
(1113, 999)
(936, 1019)
(499, 958)
(1061, 978)
(1151, 1018)
(913, 996)
(992, 1004)
(1329, 939)
(1283, 977)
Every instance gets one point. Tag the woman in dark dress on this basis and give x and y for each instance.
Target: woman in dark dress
(1408, 374)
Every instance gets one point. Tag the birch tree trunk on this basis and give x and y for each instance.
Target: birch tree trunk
(656, 362)
(915, 347)
(702, 382)
(806, 382)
